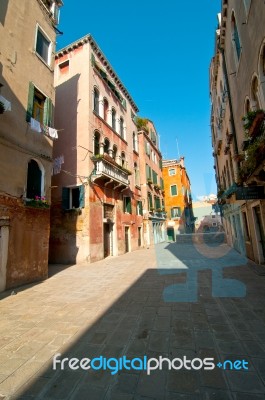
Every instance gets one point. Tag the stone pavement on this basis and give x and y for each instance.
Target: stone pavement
(150, 302)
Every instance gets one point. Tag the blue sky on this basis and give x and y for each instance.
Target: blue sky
(161, 51)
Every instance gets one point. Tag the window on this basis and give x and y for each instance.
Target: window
(154, 177)
(173, 190)
(147, 148)
(150, 201)
(113, 119)
(114, 153)
(162, 183)
(245, 224)
(139, 208)
(123, 159)
(148, 172)
(135, 142)
(106, 145)
(136, 175)
(157, 203)
(255, 94)
(235, 38)
(175, 212)
(106, 109)
(55, 13)
(127, 205)
(96, 143)
(96, 100)
(171, 171)
(43, 46)
(34, 180)
(122, 127)
(64, 67)
(39, 106)
(73, 197)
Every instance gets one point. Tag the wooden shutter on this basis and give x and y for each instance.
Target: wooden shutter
(65, 198)
(47, 113)
(82, 196)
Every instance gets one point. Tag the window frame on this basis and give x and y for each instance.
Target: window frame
(171, 169)
(178, 213)
(40, 30)
(173, 195)
(127, 205)
(67, 197)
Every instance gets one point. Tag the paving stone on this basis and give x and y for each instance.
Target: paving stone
(183, 381)
(152, 385)
(215, 394)
(246, 382)
(232, 347)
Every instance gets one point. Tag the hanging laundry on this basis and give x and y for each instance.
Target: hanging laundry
(53, 133)
(57, 165)
(35, 125)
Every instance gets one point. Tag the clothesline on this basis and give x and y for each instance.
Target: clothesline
(46, 130)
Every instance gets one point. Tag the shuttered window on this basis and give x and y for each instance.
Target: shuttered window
(39, 106)
(73, 197)
(127, 205)
(173, 190)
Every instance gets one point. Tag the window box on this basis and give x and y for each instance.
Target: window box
(38, 202)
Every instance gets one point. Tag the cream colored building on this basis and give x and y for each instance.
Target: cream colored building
(237, 85)
(27, 37)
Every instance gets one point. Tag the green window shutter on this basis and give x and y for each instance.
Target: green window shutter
(150, 199)
(129, 207)
(162, 183)
(140, 207)
(154, 177)
(47, 112)
(160, 163)
(173, 190)
(65, 198)
(30, 102)
(149, 172)
(82, 196)
(157, 203)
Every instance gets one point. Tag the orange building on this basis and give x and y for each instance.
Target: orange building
(178, 202)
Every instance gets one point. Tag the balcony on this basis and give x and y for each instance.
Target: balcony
(109, 173)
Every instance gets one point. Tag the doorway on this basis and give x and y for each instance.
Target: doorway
(260, 235)
(107, 239)
(127, 244)
(139, 236)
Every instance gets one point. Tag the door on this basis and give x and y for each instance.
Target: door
(260, 233)
(106, 240)
(126, 239)
(139, 236)
(170, 234)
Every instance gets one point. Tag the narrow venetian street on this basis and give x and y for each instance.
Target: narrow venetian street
(174, 300)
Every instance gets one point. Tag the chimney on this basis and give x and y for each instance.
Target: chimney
(181, 161)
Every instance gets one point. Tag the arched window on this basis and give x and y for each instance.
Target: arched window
(106, 109)
(123, 160)
(34, 180)
(122, 127)
(96, 100)
(255, 94)
(96, 143)
(114, 153)
(113, 119)
(106, 145)
(136, 175)
(263, 60)
(235, 38)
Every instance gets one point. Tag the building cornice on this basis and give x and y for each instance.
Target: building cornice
(89, 39)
